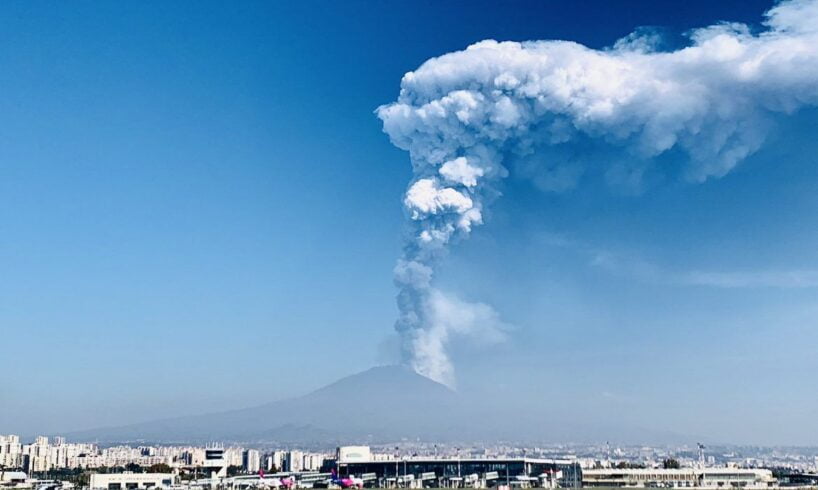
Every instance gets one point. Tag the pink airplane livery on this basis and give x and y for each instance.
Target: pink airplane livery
(348, 482)
(276, 482)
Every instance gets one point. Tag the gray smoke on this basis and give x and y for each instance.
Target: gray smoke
(467, 115)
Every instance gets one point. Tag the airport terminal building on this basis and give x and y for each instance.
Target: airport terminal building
(130, 481)
(458, 472)
(715, 478)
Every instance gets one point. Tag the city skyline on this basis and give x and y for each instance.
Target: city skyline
(61, 462)
(201, 211)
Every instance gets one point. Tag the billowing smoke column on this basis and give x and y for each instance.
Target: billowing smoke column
(550, 109)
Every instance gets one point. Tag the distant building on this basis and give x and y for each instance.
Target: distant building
(251, 460)
(11, 451)
(214, 461)
(12, 478)
(130, 481)
(353, 454)
(312, 462)
(679, 478)
(459, 472)
(36, 457)
(294, 461)
(277, 461)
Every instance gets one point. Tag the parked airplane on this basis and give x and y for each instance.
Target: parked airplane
(348, 482)
(275, 482)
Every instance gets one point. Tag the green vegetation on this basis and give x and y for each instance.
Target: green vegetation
(160, 468)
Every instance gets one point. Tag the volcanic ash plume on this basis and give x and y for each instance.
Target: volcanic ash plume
(550, 110)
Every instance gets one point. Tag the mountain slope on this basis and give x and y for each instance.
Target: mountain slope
(383, 402)
(386, 404)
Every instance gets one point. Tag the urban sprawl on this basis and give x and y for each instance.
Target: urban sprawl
(56, 464)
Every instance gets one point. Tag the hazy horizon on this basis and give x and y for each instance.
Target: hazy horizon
(200, 211)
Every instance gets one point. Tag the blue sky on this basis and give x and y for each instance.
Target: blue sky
(201, 191)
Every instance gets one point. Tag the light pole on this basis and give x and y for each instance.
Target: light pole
(396, 466)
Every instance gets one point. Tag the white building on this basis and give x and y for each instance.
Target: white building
(277, 460)
(11, 451)
(312, 462)
(353, 454)
(294, 461)
(679, 478)
(12, 478)
(215, 462)
(130, 481)
(37, 456)
(251, 461)
(234, 456)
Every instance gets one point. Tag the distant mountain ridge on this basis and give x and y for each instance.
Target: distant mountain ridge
(380, 405)
(381, 402)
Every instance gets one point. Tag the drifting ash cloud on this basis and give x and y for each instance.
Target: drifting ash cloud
(555, 108)
(633, 266)
(644, 271)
